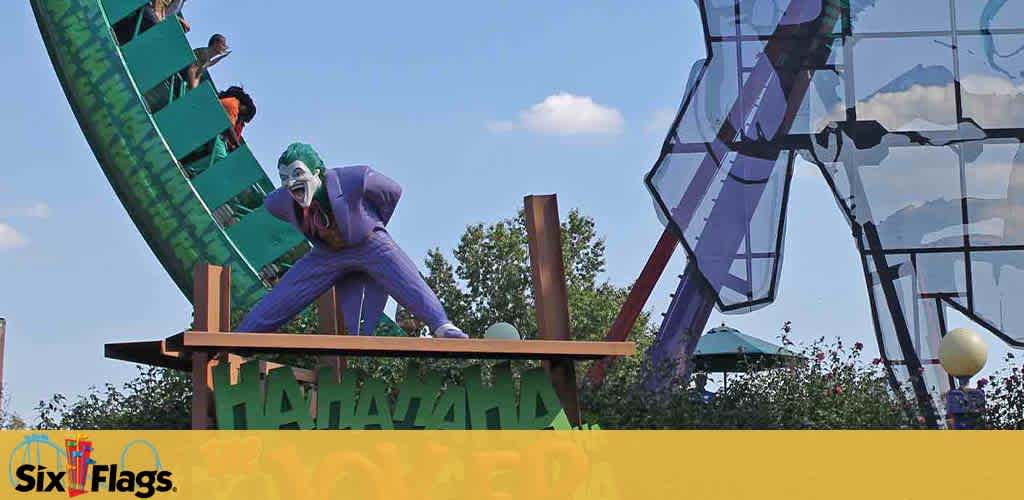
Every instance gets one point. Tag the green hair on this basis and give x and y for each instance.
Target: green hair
(300, 151)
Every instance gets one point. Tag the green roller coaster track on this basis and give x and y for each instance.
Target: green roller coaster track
(153, 138)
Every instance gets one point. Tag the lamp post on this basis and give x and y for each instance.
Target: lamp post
(963, 353)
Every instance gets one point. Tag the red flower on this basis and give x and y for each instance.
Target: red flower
(820, 356)
(858, 346)
(920, 420)
(837, 390)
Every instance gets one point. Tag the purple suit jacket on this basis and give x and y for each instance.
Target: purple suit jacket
(362, 200)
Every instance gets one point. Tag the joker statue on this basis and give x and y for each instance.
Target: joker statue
(343, 212)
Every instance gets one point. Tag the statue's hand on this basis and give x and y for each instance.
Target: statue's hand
(449, 331)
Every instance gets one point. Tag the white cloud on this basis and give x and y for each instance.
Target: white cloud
(991, 101)
(990, 84)
(10, 238)
(37, 210)
(565, 114)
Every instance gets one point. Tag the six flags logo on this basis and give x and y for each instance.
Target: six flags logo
(78, 473)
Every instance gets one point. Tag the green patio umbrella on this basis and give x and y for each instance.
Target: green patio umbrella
(724, 349)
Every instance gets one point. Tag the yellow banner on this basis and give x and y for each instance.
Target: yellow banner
(524, 465)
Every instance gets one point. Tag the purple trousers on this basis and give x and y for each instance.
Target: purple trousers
(364, 276)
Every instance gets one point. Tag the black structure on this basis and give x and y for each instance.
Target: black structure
(914, 112)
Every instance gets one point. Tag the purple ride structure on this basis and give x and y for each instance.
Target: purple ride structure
(916, 122)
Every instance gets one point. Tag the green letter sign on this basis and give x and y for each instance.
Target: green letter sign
(361, 402)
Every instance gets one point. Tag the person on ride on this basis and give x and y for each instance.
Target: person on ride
(206, 57)
(240, 109)
(158, 10)
(153, 13)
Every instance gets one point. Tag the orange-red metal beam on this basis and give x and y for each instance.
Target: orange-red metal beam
(634, 304)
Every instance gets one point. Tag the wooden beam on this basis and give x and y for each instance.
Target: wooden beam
(634, 304)
(544, 233)
(211, 299)
(206, 298)
(301, 374)
(224, 301)
(331, 323)
(548, 271)
(150, 352)
(356, 345)
(156, 353)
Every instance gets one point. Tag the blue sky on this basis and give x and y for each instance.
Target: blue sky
(470, 105)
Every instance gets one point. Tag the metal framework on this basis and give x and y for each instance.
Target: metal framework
(914, 112)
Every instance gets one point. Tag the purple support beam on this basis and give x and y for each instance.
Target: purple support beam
(797, 47)
(680, 330)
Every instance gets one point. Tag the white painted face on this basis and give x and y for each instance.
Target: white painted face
(300, 181)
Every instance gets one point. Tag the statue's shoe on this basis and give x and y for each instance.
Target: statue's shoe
(449, 331)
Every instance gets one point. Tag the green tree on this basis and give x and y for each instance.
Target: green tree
(9, 420)
(158, 398)
(490, 281)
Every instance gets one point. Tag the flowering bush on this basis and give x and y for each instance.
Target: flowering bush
(833, 389)
(1005, 396)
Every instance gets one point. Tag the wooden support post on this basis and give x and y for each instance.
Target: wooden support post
(550, 294)
(331, 323)
(211, 298)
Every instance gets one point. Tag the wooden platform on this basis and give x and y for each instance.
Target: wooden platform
(156, 353)
(152, 352)
(397, 346)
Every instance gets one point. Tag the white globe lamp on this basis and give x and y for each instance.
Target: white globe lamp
(502, 331)
(963, 353)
